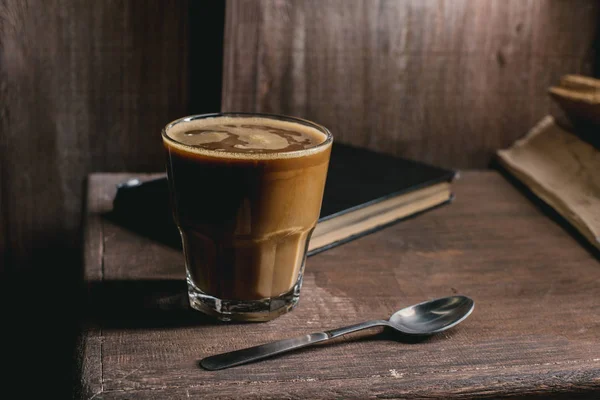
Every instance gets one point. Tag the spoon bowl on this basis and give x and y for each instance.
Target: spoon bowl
(432, 316)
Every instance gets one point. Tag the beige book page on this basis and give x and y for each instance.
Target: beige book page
(562, 170)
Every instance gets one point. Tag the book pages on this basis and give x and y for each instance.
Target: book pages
(561, 169)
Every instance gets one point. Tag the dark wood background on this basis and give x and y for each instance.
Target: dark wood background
(84, 86)
(442, 81)
(87, 86)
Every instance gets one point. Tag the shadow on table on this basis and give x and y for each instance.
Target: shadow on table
(144, 208)
(148, 225)
(142, 304)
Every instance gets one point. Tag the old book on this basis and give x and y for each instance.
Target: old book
(562, 170)
(579, 97)
(365, 191)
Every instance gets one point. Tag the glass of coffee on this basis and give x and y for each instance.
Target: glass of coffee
(246, 192)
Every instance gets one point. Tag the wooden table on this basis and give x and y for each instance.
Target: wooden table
(535, 331)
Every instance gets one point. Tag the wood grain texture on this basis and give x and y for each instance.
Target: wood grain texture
(84, 86)
(535, 332)
(441, 81)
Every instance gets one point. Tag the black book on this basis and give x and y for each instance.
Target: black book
(365, 191)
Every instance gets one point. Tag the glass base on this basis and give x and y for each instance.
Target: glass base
(244, 310)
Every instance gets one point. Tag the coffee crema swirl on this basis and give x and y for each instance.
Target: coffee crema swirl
(250, 136)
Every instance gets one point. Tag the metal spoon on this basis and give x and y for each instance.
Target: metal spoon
(420, 319)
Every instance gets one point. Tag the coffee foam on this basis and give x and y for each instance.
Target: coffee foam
(244, 137)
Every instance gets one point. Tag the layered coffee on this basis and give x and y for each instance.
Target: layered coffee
(246, 194)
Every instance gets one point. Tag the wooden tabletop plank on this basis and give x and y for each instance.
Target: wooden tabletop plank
(535, 329)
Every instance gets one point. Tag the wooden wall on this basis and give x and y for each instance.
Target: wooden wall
(85, 86)
(444, 81)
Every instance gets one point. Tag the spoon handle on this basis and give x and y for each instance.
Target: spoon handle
(357, 327)
(250, 354)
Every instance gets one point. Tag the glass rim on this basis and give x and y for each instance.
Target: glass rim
(281, 117)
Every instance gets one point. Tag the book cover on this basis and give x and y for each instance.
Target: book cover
(365, 191)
